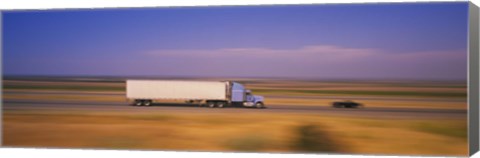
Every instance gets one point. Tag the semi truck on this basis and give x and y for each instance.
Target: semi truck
(204, 93)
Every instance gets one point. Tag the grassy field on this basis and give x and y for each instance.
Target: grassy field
(253, 132)
(250, 132)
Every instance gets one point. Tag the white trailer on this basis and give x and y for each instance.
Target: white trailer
(209, 93)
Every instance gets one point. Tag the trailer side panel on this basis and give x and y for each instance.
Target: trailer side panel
(182, 90)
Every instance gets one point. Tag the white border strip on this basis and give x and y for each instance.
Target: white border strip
(81, 153)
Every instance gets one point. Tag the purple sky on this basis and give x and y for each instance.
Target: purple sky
(348, 41)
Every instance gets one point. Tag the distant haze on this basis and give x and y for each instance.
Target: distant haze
(348, 41)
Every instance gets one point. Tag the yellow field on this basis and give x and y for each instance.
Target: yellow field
(247, 132)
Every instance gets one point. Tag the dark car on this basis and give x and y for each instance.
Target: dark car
(346, 104)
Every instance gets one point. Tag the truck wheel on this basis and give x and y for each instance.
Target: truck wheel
(137, 103)
(147, 102)
(259, 105)
(220, 104)
(211, 104)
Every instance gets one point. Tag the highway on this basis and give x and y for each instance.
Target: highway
(372, 112)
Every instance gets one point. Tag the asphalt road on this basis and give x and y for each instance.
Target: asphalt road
(374, 112)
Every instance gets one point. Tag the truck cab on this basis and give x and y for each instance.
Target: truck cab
(253, 100)
(244, 97)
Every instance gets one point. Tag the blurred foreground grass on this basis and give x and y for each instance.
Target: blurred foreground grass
(443, 130)
(251, 132)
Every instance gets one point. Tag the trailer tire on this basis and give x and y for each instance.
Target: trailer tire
(220, 104)
(211, 104)
(147, 102)
(137, 103)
